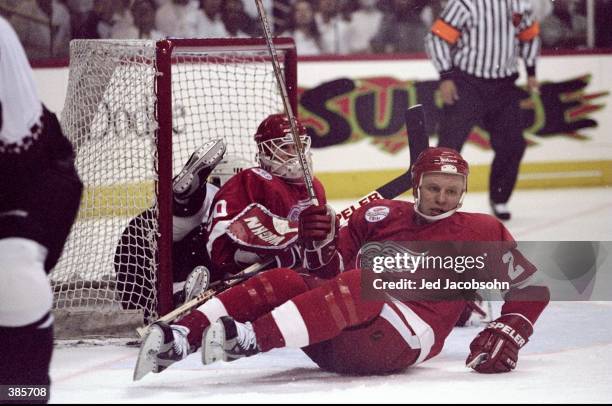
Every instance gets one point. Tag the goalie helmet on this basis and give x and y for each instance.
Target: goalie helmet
(228, 167)
(438, 160)
(276, 150)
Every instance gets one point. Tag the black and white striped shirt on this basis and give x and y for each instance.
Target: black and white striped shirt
(484, 38)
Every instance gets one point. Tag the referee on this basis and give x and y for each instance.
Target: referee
(475, 46)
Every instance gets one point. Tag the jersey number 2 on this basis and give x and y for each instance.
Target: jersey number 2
(513, 270)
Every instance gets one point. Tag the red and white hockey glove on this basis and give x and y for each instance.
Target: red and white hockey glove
(495, 349)
(317, 235)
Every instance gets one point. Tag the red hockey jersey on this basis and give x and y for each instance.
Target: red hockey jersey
(391, 220)
(254, 185)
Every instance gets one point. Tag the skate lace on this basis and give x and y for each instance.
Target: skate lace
(246, 336)
(180, 343)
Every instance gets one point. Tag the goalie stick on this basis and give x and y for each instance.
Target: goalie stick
(288, 109)
(417, 142)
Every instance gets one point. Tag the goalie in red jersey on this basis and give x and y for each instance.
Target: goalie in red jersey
(254, 215)
(324, 311)
(220, 231)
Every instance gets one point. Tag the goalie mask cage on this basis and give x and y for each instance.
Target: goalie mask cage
(135, 111)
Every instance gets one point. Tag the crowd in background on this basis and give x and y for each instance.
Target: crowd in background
(319, 27)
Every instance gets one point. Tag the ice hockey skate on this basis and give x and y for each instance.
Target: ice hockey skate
(198, 167)
(228, 340)
(196, 282)
(162, 347)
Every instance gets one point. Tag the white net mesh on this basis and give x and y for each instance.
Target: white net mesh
(109, 116)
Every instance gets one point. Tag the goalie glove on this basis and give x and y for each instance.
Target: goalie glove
(317, 234)
(495, 349)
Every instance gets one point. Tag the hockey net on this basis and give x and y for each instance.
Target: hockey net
(135, 111)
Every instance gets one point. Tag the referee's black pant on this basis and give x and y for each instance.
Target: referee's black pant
(493, 104)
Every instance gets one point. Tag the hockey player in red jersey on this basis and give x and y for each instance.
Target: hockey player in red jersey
(273, 192)
(324, 312)
(206, 217)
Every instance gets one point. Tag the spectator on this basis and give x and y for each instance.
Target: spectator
(79, 10)
(43, 27)
(143, 26)
(401, 29)
(565, 27)
(333, 29)
(237, 22)
(541, 9)
(7, 7)
(364, 24)
(98, 21)
(122, 18)
(250, 8)
(177, 18)
(347, 8)
(209, 23)
(303, 28)
(281, 12)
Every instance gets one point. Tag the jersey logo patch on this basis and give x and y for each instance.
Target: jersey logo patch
(263, 173)
(376, 214)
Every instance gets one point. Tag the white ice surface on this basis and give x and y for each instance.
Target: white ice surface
(569, 358)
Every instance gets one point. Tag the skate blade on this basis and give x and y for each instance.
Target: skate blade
(199, 285)
(212, 344)
(149, 348)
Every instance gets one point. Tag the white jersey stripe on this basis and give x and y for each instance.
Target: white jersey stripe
(291, 325)
(392, 317)
(422, 330)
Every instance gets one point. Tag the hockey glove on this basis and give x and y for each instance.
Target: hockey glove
(317, 235)
(495, 349)
(289, 258)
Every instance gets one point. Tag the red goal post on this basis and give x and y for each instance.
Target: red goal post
(135, 110)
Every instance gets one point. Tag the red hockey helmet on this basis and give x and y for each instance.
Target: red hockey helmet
(438, 160)
(276, 126)
(276, 149)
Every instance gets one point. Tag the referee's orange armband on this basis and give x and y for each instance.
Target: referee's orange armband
(530, 33)
(446, 31)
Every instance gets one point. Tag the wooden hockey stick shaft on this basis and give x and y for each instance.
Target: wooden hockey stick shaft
(417, 141)
(288, 109)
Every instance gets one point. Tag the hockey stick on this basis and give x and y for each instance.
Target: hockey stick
(213, 289)
(417, 141)
(288, 109)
